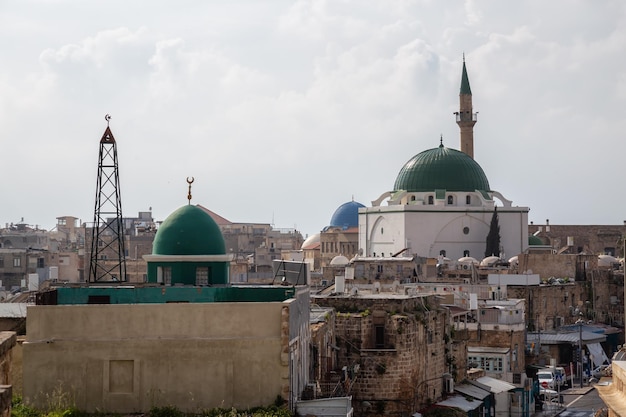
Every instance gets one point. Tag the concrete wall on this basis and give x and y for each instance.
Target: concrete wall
(129, 358)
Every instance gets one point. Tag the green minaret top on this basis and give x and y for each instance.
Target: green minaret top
(465, 86)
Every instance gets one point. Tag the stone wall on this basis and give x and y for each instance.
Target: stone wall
(592, 239)
(400, 345)
(600, 298)
(7, 342)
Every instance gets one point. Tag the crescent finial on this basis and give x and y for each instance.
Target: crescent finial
(189, 181)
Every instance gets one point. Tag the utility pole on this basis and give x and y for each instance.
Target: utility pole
(580, 322)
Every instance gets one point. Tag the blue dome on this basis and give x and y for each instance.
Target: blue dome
(347, 215)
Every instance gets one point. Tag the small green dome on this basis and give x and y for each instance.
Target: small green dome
(441, 169)
(189, 231)
(534, 241)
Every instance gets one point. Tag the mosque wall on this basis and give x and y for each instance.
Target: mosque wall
(130, 358)
(389, 229)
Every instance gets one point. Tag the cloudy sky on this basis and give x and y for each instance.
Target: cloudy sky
(283, 110)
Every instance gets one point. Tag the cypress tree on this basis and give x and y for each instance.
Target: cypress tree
(493, 238)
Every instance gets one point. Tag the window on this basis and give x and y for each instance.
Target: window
(450, 199)
(412, 198)
(379, 269)
(468, 199)
(99, 299)
(466, 230)
(62, 222)
(17, 262)
(431, 200)
(40, 262)
(379, 336)
(202, 275)
(466, 252)
(382, 230)
(489, 364)
(164, 275)
(1, 262)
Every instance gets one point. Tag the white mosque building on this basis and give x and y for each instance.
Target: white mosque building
(442, 205)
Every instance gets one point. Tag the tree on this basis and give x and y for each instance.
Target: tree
(493, 238)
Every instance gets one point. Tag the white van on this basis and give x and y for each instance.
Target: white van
(546, 378)
(552, 377)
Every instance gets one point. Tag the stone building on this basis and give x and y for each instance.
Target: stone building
(497, 339)
(341, 236)
(589, 239)
(256, 245)
(401, 344)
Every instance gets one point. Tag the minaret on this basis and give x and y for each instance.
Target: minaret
(465, 117)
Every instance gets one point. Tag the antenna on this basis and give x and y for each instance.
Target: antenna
(108, 255)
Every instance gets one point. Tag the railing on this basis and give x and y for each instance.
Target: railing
(466, 116)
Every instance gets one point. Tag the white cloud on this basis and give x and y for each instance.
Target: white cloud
(287, 109)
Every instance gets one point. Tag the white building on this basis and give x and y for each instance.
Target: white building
(442, 204)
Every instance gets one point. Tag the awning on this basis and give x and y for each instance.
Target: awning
(472, 391)
(597, 354)
(497, 386)
(460, 402)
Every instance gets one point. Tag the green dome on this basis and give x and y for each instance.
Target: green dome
(441, 169)
(189, 231)
(534, 241)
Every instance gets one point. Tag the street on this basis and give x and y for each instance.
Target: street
(581, 402)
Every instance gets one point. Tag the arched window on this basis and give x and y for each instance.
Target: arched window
(466, 253)
(442, 252)
(468, 199)
(431, 200)
(450, 199)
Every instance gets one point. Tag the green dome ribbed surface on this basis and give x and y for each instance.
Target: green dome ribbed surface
(189, 231)
(441, 169)
(534, 241)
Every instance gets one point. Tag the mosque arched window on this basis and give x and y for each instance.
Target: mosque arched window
(431, 200)
(468, 199)
(450, 199)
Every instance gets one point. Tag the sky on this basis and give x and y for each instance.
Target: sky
(282, 110)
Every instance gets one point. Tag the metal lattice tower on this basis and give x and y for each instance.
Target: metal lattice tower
(108, 255)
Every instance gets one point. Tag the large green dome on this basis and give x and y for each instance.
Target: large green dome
(189, 231)
(441, 169)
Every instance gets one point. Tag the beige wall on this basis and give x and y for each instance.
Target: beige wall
(129, 358)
